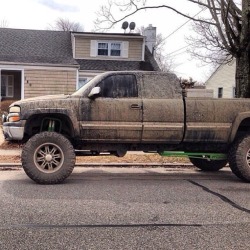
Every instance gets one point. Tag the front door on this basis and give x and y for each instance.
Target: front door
(116, 114)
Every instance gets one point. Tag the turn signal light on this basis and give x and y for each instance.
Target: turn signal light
(13, 117)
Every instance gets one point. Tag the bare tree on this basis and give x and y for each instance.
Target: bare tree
(64, 24)
(224, 33)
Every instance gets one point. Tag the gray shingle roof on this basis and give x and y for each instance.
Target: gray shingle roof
(108, 65)
(54, 47)
(114, 65)
(36, 46)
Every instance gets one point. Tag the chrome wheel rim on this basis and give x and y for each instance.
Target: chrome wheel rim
(248, 158)
(48, 157)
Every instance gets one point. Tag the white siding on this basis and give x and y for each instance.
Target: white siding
(223, 77)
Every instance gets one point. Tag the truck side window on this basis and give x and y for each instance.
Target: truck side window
(119, 86)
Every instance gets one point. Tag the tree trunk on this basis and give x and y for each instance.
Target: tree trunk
(243, 57)
(243, 75)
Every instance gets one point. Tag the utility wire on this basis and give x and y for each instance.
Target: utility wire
(178, 50)
(183, 25)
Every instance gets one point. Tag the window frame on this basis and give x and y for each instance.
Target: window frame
(109, 48)
(136, 93)
(220, 92)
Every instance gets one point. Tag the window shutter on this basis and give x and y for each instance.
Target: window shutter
(93, 48)
(125, 47)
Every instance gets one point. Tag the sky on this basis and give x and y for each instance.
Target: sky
(40, 14)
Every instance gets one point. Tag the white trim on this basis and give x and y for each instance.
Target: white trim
(18, 66)
(15, 69)
(34, 65)
(22, 84)
(143, 48)
(73, 41)
(77, 79)
(108, 36)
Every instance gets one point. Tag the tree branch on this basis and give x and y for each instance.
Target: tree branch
(114, 21)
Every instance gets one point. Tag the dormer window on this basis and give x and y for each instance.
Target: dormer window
(115, 49)
(103, 49)
(109, 49)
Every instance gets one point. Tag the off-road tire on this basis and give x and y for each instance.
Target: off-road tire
(208, 166)
(48, 158)
(239, 157)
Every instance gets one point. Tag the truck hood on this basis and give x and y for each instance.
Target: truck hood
(41, 98)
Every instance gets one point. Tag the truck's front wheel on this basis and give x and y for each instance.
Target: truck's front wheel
(205, 165)
(48, 158)
(239, 158)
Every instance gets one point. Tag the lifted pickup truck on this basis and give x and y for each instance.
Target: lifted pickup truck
(120, 111)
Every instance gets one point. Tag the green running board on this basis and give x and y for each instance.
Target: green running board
(205, 156)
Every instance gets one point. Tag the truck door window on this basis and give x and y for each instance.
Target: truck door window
(119, 86)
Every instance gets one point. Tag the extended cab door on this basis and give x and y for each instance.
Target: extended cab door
(206, 121)
(163, 109)
(116, 114)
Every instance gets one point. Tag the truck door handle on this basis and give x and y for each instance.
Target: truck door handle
(135, 106)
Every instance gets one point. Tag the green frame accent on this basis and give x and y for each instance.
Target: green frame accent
(51, 126)
(205, 156)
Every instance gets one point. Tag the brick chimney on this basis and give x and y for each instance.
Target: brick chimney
(150, 34)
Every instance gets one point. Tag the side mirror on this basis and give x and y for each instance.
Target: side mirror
(94, 92)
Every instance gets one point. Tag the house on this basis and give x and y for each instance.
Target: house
(222, 81)
(42, 62)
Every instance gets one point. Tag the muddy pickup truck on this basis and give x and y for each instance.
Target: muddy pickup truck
(117, 112)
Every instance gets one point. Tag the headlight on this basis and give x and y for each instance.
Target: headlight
(14, 114)
(14, 109)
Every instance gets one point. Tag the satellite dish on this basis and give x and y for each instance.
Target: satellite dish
(132, 25)
(125, 25)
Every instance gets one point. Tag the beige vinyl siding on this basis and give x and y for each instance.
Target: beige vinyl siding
(49, 82)
(223, 77)
(83, 48)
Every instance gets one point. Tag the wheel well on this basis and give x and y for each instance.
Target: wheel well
(243, 128)
(49, 122)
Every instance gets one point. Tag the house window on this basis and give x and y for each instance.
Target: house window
(7, 85)
(115, 49)
(102, 49)
(220, 92)
(234, 92)
(109, 49)
(82, 81)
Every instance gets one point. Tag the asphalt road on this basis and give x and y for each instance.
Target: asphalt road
(125, 208)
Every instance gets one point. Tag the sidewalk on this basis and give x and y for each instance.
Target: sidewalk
(10, 152)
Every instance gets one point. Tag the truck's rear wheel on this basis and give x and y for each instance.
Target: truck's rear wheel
(48, 158)
(205, 165)
(239, 158)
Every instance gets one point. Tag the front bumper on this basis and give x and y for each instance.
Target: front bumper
(13, 130)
